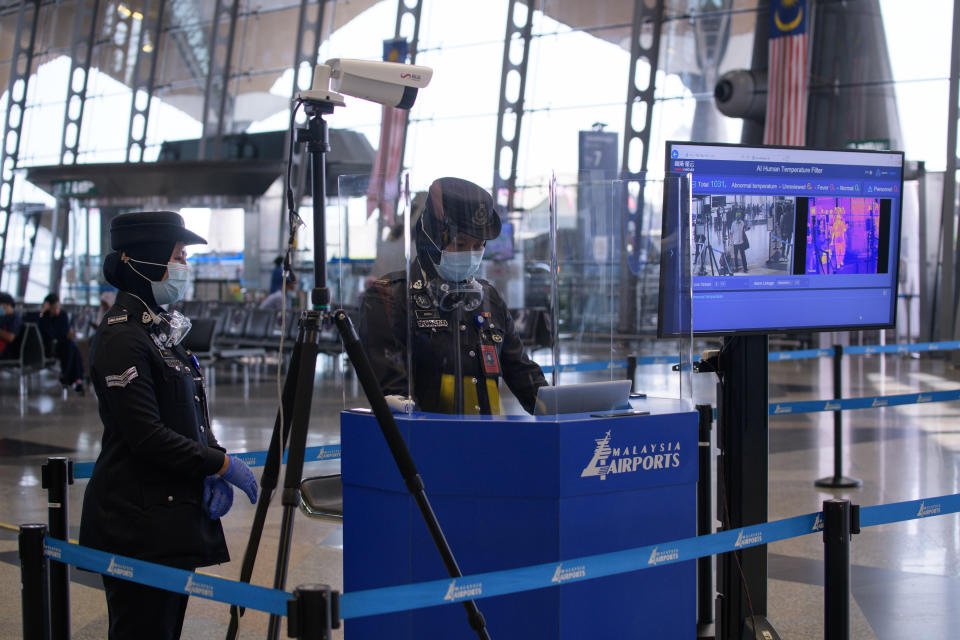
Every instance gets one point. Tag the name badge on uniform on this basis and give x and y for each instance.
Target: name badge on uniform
(427, 324)
(117, 319)
(490, 362)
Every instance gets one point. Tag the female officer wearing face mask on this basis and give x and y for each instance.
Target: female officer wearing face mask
(464, 337)
(162, 480)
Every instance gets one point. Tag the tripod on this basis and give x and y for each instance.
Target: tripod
(705, 255)
(293, 417)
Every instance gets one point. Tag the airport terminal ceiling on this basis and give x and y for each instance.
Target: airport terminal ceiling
(266, 29)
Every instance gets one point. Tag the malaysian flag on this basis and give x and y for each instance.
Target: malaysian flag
(787, 66)
(385, 175)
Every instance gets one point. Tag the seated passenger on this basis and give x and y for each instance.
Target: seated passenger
(11, 324)
(281, 298)
(451, 311)
(107, 298)
(55, 327)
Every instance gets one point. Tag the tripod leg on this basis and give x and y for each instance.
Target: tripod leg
(300, 424)
(268, 480)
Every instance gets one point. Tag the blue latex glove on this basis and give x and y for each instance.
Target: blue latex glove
(239, 475)
(217, 497)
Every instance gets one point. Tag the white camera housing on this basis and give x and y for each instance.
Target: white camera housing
(388, 83)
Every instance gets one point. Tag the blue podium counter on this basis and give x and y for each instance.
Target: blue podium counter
(517, 491)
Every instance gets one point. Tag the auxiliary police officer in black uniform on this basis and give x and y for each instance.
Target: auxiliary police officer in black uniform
(162, 480)
(464, 340)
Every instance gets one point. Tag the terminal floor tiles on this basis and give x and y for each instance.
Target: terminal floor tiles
(905, 577)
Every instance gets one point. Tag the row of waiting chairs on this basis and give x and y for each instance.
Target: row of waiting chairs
(31, 358)
(231, 327)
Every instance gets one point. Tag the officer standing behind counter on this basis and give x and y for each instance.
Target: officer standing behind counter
(460, 326)
(160, 483)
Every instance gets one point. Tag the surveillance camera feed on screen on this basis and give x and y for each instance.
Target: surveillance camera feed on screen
(788, 239)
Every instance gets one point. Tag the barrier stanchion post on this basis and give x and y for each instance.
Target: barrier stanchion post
(840, 520)
(632, 372)
(838, 480)
(55, 476)
(705, 592)
(34, 588)
(313, 612)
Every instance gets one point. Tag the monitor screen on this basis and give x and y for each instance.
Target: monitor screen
(501, 247)
(786, 238)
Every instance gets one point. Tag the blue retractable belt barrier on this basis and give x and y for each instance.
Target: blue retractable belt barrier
(870, 402)
(604, 365)
(909, 510)
(803, 354)
(427, 594)
(310, 454)
(332, 452)
(865, 350)
(253, 459)
(600, 365)
(175, 580)
(903, 348)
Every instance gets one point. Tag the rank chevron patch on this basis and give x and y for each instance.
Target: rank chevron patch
(123, 379)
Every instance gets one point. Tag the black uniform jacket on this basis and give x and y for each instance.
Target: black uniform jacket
(144, 497)
(488, 327)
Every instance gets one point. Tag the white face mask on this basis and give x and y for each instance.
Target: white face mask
(457, 266)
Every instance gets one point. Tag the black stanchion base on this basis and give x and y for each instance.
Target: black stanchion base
(838, 482)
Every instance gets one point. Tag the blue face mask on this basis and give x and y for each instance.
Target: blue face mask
(3, 311)
(173, 287)
(457, 266)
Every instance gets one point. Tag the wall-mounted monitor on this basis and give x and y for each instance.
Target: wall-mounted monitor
(501, 247)
(786, 238)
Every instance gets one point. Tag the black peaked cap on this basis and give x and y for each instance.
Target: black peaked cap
(461, 206)
(150, 227)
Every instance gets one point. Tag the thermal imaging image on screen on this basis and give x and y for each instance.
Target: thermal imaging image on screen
(843, 235)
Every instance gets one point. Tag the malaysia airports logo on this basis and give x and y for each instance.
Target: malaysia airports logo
(570, 573)
(463, 591)
(328, 453)
(932, 510)
(117, 569)
(667, 555)
(748, 539)
(818, 523)
(52, 552)
(643, 456)
(198, 588)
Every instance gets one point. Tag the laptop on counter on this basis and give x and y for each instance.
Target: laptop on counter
(583, 397)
